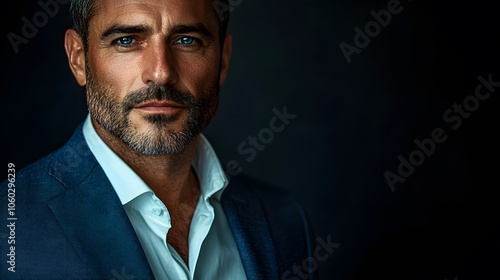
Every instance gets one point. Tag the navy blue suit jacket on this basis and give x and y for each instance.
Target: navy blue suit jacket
(71, 224)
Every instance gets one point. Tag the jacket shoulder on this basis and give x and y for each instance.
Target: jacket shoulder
(51, 174)
(289, 224)
(272, 197)
(31, 181)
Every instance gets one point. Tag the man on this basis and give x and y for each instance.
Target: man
(138, 192)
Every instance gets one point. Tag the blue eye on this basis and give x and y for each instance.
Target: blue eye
(186, 41)
(125, 41)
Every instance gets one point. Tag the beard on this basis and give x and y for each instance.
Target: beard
(159, 138)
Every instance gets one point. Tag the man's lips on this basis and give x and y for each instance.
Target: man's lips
(160, 106)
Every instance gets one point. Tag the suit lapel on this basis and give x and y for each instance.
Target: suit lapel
(251, 232)
(92, 217)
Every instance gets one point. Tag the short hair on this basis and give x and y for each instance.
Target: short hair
(83, 10)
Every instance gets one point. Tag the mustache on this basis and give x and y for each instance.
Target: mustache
(155, 92)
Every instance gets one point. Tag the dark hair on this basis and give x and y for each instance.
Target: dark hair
(83, 10)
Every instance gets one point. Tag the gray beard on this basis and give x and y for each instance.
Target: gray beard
(113, 116)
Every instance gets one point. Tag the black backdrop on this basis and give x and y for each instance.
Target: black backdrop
(354, 123)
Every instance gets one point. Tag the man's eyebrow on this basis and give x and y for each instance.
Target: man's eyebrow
(191, 28)
(124, 29)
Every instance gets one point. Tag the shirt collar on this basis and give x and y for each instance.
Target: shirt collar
(128, 185)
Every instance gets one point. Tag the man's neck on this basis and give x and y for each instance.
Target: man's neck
(170, 176)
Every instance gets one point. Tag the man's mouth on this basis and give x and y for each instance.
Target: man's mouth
(166, 107)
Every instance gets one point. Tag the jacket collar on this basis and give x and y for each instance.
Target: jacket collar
(248, 223)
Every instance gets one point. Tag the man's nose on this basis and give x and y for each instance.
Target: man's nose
(159, 64)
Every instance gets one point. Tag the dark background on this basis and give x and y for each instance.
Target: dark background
(353, 121)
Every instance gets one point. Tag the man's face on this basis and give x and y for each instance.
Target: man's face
(153, 71)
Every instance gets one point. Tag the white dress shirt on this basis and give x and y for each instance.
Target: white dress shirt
(212, 250)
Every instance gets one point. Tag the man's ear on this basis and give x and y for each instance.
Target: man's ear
(226, 56)
(76, 55)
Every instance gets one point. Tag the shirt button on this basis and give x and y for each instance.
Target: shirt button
(157, 211)
(203, 217)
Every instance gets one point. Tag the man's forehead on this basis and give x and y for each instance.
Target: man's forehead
(148, 11)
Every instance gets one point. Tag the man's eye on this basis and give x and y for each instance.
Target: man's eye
(125, 41)
(186, 41)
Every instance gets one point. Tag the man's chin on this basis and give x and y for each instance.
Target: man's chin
(147, 145)
(158, 139)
